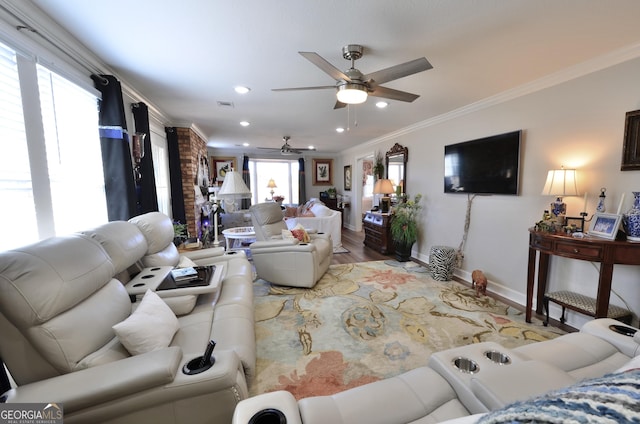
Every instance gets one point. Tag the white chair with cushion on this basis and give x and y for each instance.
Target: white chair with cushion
(286, 261)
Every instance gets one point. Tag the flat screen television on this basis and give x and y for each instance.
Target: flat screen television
(489, 165)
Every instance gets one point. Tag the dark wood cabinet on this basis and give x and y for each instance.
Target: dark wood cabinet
(377, 232)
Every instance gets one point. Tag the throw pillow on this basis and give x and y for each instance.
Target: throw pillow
(300, 233)
(151, 326)
(290, 211)
(287, 235)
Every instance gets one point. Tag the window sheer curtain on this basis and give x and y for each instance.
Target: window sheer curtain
(116, 154)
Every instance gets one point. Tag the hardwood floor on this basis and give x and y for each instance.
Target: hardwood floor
(358, 252)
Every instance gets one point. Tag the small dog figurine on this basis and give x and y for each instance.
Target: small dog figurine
(479, 281)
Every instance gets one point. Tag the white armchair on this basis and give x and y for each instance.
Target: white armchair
(286, 262)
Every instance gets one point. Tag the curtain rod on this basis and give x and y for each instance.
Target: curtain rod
(24, 26)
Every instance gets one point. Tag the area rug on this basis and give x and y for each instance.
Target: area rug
(370, 321)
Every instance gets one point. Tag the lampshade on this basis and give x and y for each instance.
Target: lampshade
(561, 182)
(234, 186)
(352, 94)
(272, 184)
(383, 186)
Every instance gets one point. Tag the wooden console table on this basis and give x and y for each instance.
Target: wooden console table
(608, 253)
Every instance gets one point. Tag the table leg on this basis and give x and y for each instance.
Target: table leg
(531, 272)
(543, 268)
(604, 290)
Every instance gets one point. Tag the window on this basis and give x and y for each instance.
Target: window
(18, 214)
(160, 156)
(51, 179)
(283, 172)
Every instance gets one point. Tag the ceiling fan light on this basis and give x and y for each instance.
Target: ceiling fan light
(352, 94)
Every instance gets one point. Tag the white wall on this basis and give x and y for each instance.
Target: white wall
(577, 124)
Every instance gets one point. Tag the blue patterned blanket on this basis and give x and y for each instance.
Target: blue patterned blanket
(614, 398)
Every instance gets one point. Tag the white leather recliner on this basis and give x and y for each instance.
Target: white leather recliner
(286, 262)
(59, 301)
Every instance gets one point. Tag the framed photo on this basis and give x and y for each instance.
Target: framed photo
(220, 166)
(323, 172)
(631, 145)
(347, 178)
(605, 225)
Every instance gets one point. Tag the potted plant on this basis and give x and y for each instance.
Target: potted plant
(404, 227)
(378, 166)
(332, 192)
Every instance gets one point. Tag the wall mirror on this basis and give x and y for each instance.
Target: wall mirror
(396, 166)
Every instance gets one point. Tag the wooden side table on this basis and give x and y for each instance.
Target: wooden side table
(543, 245)
(377, 232)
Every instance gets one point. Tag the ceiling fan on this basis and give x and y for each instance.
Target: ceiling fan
(353, 86)
(286, 148)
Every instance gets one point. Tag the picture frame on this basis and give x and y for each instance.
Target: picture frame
(323, 172)
(605, 225)
(347, 178)
(220, 166)
(631, 144)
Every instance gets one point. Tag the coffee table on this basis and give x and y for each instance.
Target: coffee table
(243, 234)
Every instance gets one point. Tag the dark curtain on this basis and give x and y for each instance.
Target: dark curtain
(246, 177)
(175, 176)
(302, 188)
(146, 185)
(116, 154)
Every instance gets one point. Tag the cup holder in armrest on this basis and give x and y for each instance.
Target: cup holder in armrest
(195, 365)
(268, 416)
(230, 252)
(623, 329)
(497, 357)
(466, 365)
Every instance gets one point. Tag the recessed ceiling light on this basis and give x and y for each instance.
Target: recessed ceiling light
(244, 123)
(340, 129)
(242, 90)
(382, 105)
(311, 147)
(245, 144)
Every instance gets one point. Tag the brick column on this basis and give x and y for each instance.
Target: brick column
(191, 147)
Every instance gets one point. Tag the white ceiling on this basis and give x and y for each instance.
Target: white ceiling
(185, 56)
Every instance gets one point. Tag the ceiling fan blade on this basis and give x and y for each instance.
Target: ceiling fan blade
(321, 63)
(390, 93)
(339, 105)
(399, 71)
(320, 87)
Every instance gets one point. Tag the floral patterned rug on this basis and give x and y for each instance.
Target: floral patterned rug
(369, 321)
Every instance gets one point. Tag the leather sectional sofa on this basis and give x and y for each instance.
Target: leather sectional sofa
(588, 376)
(61, 300)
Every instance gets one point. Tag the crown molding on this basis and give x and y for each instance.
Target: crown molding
(590, 66)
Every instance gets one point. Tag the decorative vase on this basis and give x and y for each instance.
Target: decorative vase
(403, 251)
(631, 219)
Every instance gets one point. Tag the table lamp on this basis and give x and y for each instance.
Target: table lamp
(271, 185)
(385, 187)
(233, 188)
(560, 183)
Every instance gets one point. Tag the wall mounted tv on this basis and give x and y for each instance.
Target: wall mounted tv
(489, 165)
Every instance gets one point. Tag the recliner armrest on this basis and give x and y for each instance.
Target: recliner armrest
(108, 382)
(210, 252)
(275, 246)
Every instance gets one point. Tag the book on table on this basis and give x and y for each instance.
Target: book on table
(180, 274)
